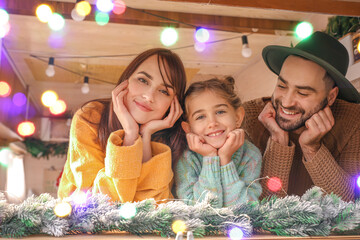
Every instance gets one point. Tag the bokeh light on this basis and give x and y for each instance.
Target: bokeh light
(236, 233)
(19, 99)
(62, 209)
(127, 210)
(4, 30)
(104, 6)
(59, 107)
(5, 89)
(4, 17)
(56, 22)
(202, 35)
(178, 226)
(48, 98)
(44, 13)
(304, 30)
(4, 156)
(199, 46)
(358, 181)
(358, 46)
(102, 18)
(79, 198)
(274, 184)
(55, 40)
(119, 7)
(76, 16)
(26, 128)
(83, 8)
(169, 36)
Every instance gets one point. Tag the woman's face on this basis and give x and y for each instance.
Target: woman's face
(149, 96)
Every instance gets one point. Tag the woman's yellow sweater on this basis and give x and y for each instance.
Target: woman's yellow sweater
(118, 171)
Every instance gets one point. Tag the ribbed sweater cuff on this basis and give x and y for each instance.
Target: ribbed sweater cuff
(229, 174)
(211, 166)
(123, 162)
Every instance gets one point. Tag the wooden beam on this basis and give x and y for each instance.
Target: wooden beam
(335, 7)
(162, 18)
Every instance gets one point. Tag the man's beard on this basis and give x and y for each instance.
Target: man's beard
(286, 124)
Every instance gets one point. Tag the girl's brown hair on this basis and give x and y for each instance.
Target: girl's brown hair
(175, 72)
(225, 88)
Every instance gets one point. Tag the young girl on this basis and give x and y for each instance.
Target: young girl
(218, 160)
(112, 147)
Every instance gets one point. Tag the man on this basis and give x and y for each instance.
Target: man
(309, 131)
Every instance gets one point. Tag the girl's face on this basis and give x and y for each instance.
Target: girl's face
(149, 96)
(212, 117)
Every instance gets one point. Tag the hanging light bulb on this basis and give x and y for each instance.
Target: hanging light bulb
(246, 50)
(85, 89)
(50, 70)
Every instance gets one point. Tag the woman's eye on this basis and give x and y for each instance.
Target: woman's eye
(143, 80)
(165, 92)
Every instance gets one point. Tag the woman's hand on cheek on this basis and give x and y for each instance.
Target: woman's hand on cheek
(234, 141)
(198, 145)
(130, 126)
(151, 127)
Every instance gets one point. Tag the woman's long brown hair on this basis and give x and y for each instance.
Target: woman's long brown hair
(175, 72)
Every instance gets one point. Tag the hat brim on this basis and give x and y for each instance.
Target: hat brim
(274, 57)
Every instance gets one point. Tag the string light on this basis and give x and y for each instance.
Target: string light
(4, 156)
(26, 128)
(119, 7)
(48, 98)
(246, 50)
(5, 89)
(4, 17)
(358, 181)
(62, 209)
(199, 46)
(178, 226)
(102, 18)
(59, 107)
(202, 35)
(169, 36)
(43, 13)
(76, 16)
(274, 184)
(85, 89)
(303, 30)
(236, 233)
(4, 30)
(358, 46)
(56, 22)
(128, 210)
(104, 6)
(50, 70)
(19, 99)
(83, 8)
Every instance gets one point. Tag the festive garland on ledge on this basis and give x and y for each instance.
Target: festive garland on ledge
(40, 149)
(313, 214)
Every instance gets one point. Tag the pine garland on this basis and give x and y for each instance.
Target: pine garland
(40, 149)
(313, 214)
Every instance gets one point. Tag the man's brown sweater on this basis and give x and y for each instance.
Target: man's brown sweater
(334, 167)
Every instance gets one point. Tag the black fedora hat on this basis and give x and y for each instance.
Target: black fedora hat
(322, 49)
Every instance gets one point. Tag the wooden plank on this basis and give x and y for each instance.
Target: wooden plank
(162, 18)
(336, 7)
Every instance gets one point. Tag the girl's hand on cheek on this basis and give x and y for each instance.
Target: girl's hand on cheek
(234, 141)
(147, 129)
(198, 145)
(128, 123)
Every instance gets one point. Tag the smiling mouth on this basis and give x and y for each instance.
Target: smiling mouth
(215, 134)
(288, 112)
(143, 107)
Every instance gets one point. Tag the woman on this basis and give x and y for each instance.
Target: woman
(112, 148)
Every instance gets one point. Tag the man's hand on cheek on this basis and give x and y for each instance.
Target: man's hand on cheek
(317, 126)
(197, 144)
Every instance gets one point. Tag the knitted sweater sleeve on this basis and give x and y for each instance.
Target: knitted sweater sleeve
(238, 177)
(277, 161)
(337, 175)
(196, 176)
(117, 172)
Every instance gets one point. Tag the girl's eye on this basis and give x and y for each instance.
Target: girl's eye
(165, 92)
(200, 117)
(143, 80)
(220, 112)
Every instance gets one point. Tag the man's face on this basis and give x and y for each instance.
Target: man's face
(300, 92)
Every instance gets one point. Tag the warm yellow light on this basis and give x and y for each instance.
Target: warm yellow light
(43, 12)
(26, 128)
(178, 226)
(358, 47)
(58, 107)
(48, 98)
(5, 89)
(83, 8)
(62, 209)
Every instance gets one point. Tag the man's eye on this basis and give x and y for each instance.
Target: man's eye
(303, 94)
(280, 86)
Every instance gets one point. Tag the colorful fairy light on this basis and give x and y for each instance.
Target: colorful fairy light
(79, 198)
(358, 181)
(4, 155)
(76, 16)
(304, 30)
(56, 22)
(102, 18)
(62, 209)
(169, 36)
(4, 17)
(43, 13)
(83, 8)
(274, 184)
(199, 46)
(59, 107)
(48, 98)
(4, 30)
(178, 226)
(104, 6)
(358, 46)
(26, 128)
(236, 233)
(202, 35)
(19, 99)
(128, 210)
(119, 7)
(5, 89)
